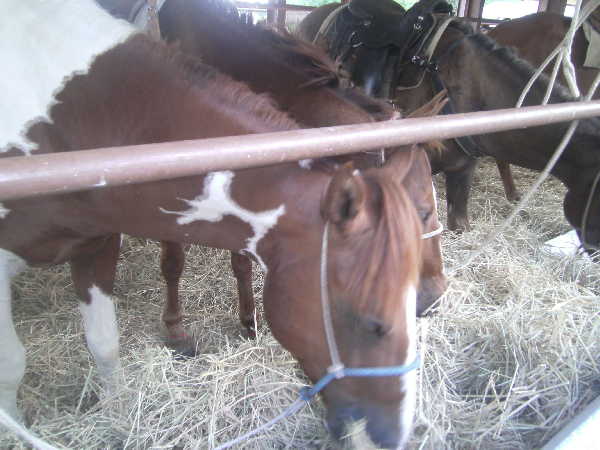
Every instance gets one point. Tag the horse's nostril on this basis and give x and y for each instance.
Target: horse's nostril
(375, 326)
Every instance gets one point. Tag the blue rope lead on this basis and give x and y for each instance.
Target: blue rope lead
(306, 394)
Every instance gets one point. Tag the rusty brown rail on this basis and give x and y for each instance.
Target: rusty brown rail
(88, 169)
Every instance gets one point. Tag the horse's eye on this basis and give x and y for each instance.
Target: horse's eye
(425, 215)
(375, 326)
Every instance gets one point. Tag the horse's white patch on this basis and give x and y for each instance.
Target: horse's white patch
(408, 382)
(12, 352)
(216, 202)
(101, 183)
(3, 211)
(101, 331)
(305, 163)
(42, 44)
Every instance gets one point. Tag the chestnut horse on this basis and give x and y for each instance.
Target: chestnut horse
(494, 80)
(303, 82)
(126, 89)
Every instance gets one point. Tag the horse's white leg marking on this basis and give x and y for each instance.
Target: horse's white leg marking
(102, 333)
(3, 211)
(216, 202)
(408, 382)
(12, 352)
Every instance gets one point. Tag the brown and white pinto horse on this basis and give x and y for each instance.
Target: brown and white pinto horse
(131, 90)
(479, 75)
(302, 81)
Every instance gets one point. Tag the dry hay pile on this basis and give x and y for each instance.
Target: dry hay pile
(513, 353)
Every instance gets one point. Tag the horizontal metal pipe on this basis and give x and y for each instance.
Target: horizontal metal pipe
(25, 176)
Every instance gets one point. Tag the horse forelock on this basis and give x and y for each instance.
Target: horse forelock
(388, 257)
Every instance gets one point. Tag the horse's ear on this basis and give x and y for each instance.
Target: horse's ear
(400, 162)
(344, 204)
(432, 107)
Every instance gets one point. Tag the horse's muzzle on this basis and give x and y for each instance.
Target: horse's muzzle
(430, 290)
(383, 429)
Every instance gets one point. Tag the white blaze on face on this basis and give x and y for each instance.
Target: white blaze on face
(408, 382)
(216, 202)
(42, 44)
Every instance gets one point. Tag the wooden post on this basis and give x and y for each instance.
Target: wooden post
(280, 16)
(556, 6)
(271, 12)
(471, 8)
(153, 28)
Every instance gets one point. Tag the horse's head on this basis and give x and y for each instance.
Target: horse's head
(582, 210)
(581, 175)
(372, 254)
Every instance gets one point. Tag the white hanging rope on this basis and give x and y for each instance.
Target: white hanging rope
(563, 48)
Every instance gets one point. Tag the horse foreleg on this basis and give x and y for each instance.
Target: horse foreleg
(93, 277)
(510, 190)
(172, 260)
(242, 269)
(12, 352)
(458, 188)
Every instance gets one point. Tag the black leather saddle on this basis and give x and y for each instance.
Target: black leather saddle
(370, 38)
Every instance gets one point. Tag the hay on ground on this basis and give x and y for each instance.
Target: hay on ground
(511, 356)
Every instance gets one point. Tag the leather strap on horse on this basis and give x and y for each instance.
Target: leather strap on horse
(427, 63)
(370, 44)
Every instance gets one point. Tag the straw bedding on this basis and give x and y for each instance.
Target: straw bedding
(512, 354)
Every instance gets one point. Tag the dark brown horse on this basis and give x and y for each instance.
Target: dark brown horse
(494, 80)
(130, 90)
(302, 81)
(534, 37)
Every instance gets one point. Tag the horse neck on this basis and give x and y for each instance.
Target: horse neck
(494, 81)
(252, 55)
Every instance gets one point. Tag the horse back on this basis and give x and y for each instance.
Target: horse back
(549, 29)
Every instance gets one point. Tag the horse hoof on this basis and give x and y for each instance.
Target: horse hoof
(513, 197)
(250, 328)
(250, 333)
(182, 347)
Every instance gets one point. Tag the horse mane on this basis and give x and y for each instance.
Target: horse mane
(297, 53)
(145, 62)
(384, 252)
(228, 91)
(525, 70)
